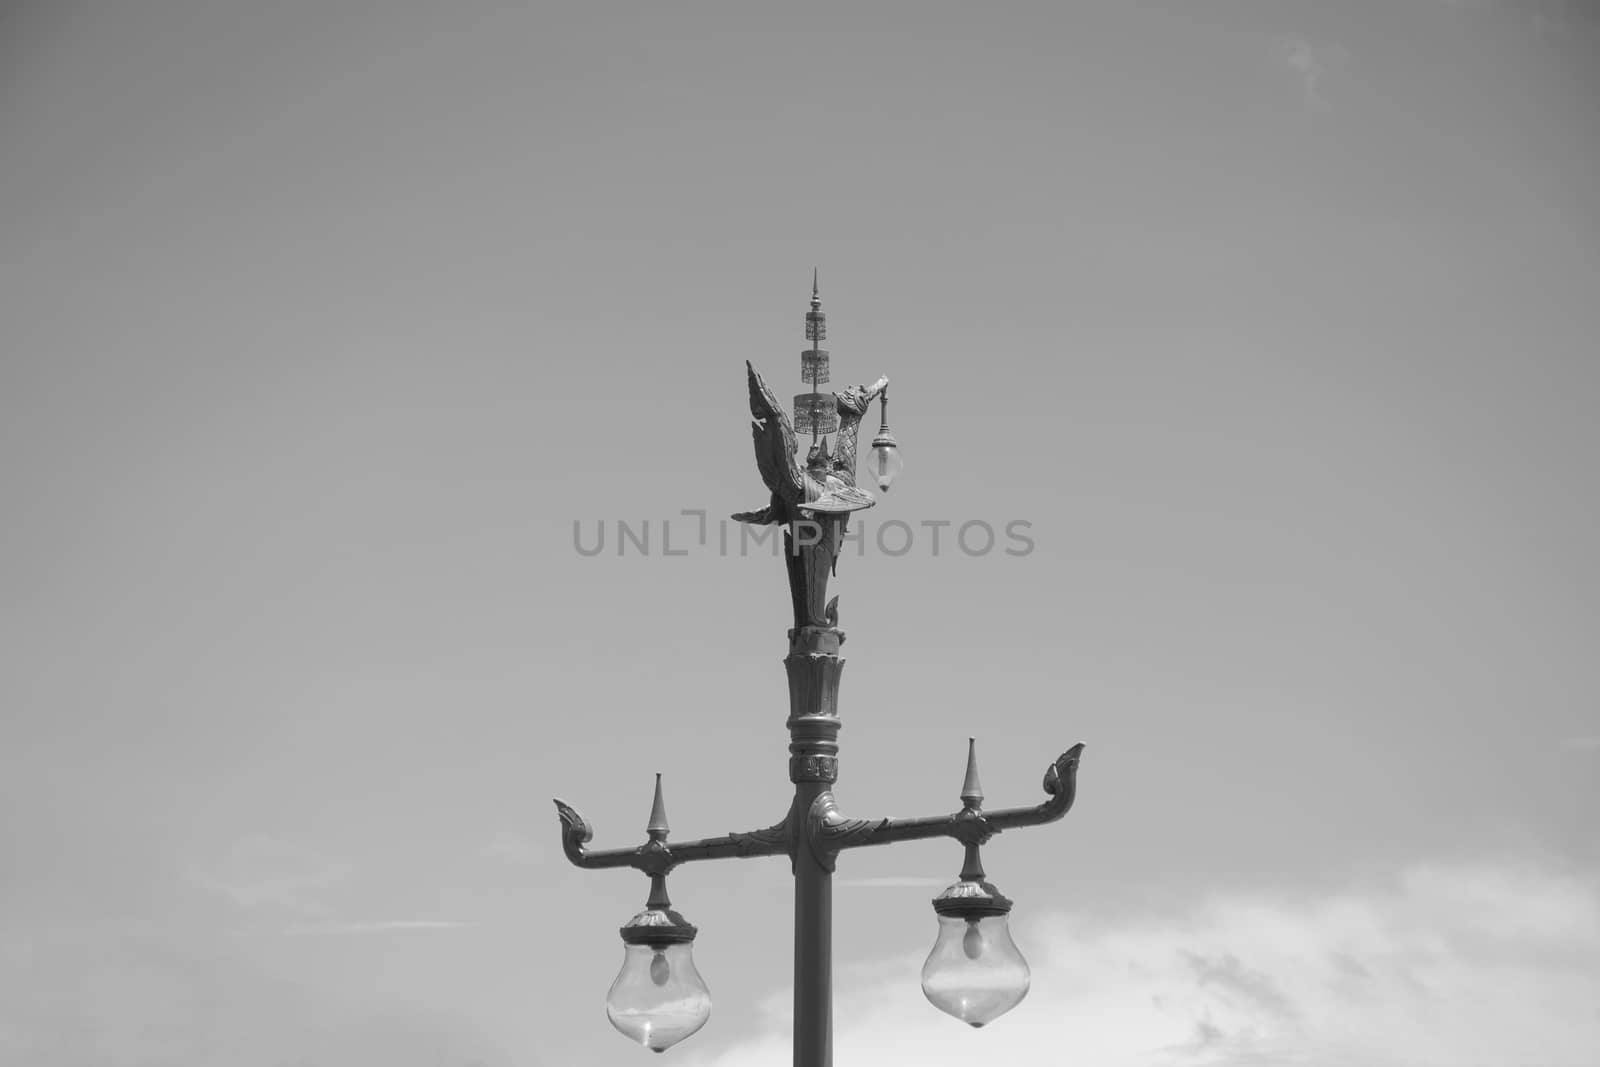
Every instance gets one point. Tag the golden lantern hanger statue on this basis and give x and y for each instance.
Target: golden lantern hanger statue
(975, 971)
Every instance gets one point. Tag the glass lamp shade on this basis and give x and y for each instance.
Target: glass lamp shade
(885, 460)
(975, 971)
(659, 997)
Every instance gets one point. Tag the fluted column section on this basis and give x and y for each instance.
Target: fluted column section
(814, 666)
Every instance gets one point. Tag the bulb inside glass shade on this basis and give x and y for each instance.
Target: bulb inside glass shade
(659, 997)
(972, 940)
(975, 971)
(886, 463)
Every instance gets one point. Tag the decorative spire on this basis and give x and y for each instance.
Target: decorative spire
(972, 789)
(814, 411)
(658, 827)
(816, 319)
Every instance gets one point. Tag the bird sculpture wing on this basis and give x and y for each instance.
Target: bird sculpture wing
(773, 435)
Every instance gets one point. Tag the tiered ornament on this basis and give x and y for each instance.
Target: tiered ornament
(815, 412)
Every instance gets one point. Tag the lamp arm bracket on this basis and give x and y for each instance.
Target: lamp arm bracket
(829, 832)
(659, 857)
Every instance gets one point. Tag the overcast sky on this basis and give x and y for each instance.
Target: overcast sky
(323, 324)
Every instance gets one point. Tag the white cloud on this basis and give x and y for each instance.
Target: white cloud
(1309, 63)
(1449, 966)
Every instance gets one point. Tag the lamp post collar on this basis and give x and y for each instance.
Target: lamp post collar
(659, 923)
(974, 899)
(658, 927)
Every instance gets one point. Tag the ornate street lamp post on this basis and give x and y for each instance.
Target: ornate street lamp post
(975, 971)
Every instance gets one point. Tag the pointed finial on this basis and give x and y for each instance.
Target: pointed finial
(971, 788)
(816, 298)
(658, 816)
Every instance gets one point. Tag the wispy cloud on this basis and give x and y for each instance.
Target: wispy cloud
(1309, 63)
(379, 926)
(893, 882)
(263, 874)
(1548, 19)
(1447, 965)
(185, 1002)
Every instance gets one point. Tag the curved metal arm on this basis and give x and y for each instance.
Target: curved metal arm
(829, 832)
(659, 857)
(1060, 781)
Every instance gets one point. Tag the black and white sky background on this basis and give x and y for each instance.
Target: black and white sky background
(321, 324)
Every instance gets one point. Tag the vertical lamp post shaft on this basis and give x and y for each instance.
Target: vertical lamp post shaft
(813, 962)
(813, 667)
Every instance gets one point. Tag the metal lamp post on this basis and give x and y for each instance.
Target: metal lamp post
(974, 971)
